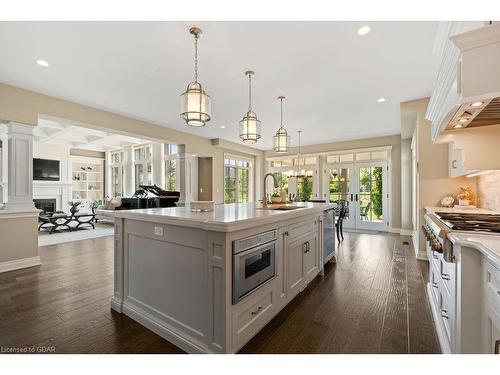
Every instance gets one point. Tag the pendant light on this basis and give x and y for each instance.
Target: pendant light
(195, 103)
(297, 173)
(250, 125)
(281, 140)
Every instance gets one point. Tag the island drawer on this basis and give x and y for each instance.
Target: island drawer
(303, 228)
(492, 284)
(252, 314)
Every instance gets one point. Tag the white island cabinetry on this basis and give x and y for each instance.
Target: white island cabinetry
(174, 269)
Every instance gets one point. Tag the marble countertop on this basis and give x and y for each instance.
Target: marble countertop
(488, 244)
(457, 209)
(224, 217)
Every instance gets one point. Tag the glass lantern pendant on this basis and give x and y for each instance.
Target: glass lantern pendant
(250, 125)
(281, 140)
(195, 103)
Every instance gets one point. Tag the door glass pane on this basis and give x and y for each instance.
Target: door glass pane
(339, 186)
(243, 184)
(345, 158)
(230, 185)
(379, 155)
(139, 175)
(370, 194)
(361, 156)
(305, 186)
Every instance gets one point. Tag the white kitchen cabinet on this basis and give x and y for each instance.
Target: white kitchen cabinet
(295, 267)
(457, 165)
(311, 257)
(491, 332)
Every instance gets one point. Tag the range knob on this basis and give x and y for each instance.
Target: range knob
(435, 245)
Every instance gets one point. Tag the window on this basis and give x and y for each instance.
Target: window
(171, 166)
(304, 186)
(237, 180)
(142, 166)
(116, 166)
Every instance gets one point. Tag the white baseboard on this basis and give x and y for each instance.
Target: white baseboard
(406, 232)
(20, 263)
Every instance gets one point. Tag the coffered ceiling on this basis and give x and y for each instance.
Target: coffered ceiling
(330, 75)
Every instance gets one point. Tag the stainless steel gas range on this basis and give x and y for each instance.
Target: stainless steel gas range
(439, 224)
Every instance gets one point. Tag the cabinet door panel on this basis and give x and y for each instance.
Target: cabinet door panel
(492, 335)
(311, 258)
(295, 276)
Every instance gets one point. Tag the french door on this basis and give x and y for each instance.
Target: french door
(364, 186)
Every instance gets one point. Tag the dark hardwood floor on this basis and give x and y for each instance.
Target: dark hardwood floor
(372, 301)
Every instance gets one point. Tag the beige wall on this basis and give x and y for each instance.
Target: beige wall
(205, 179)
(17, 242)
(87, 153)
(488, 191)
(25, 106)
(393, 140)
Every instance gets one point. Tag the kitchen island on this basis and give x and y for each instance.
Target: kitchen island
(209, 281)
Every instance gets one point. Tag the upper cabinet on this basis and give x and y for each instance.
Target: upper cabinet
(468, 82)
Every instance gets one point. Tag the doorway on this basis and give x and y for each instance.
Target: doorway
(364, 185)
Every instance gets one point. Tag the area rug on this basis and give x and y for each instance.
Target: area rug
(101, 230)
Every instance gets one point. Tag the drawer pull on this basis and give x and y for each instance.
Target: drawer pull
(443, 314)
(497, 347)
(258, 310)
(445, 276)
(434, 284)
(435, 256)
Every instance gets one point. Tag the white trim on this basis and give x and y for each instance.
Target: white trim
(20, 263)
(406, 232)
(327, 153)
(441, 334)
(394, 230)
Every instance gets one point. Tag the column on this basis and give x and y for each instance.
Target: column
(20, 168)
(158, 165)
(128, 172)
(181, 169)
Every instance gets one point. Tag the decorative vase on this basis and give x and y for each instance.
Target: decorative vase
(464, 202)
(276, 199)
(73, 210)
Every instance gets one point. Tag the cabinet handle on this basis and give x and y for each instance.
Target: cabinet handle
(306, 244)
(443, 314)
(434, 284)
(497, 347)
(445, 276)
(454, 164)
(434, 255)
(256, 312)
(285, 233)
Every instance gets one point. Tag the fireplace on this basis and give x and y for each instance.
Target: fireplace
(46, 205)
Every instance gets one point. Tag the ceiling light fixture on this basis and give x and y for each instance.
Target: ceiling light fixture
(380, 100)
(463, 119)
(457, 126)
(223, 126)
(195, 103)
(297, 172)
(43, 63)
(477, 104)
(363, 30)
(250, 125)
(281, 140)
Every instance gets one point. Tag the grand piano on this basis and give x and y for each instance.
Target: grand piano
(150, 197)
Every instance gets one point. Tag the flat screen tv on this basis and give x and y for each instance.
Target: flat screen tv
(45, 170)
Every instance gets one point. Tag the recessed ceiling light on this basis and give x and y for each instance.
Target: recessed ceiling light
(194, 155)
(477, 104)
(380, 100)
(223, 126)
(363, 30)
(43, 63)
(457, 126)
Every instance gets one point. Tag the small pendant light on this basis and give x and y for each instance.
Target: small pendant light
(195, 103)
(281, 140)
(250, 125)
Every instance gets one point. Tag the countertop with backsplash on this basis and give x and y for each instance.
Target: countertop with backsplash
(459, 209)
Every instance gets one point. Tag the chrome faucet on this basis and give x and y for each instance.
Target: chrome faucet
(265, 201)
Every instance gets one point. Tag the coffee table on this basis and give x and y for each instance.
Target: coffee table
(62, 220)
